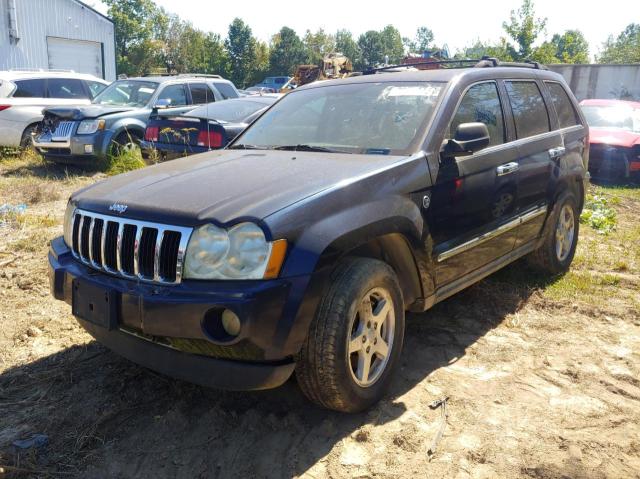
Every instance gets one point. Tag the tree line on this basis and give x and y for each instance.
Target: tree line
(151, 40)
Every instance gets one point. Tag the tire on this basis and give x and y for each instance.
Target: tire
(27, 140)
(124, 141)
(556, 253)
(327, 372)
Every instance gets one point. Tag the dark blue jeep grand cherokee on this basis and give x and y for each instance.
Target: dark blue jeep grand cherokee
(301, 245)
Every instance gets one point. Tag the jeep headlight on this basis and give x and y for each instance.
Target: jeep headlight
(241, 252)
(68, 224)
(87, 127)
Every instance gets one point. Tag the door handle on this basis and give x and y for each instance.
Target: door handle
(557, 152)
(507, 168)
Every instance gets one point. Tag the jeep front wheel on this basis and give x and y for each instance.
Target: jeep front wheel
(355, 340)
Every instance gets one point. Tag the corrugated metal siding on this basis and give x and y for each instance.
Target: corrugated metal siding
(602, 81)
(39, 19)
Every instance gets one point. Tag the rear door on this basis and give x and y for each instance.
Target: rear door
(474, 197)
(538, 141)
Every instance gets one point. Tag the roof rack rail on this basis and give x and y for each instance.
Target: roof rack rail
(199, 75)
(371, 71)
(487, 61)
(483, 62)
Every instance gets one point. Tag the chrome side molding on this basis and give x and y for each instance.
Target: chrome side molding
(478, 240)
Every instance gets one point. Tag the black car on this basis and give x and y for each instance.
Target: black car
(207, 127)
(301, 245)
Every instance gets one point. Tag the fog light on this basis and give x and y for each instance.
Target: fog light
(230, 322)
(88, 148)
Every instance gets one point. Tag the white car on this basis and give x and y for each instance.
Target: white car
(23, 95)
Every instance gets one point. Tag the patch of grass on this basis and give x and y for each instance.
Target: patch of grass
(620, 191)
(582, 285)
(125, 161)
(35, 241)
(598, 214)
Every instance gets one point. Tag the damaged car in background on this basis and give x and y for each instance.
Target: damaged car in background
(614, 136)
(116, 119)
(171, 134)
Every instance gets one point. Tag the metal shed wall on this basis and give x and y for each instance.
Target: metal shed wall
(39, 19)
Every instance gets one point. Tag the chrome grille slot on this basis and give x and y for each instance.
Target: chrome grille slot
(62, 131)
(129, 248)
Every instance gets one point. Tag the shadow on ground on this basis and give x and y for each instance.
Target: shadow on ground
(107, 417)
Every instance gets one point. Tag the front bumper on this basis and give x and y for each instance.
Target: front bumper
(165, 328)
(78, 149)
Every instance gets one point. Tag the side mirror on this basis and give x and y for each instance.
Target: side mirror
(469, 138)
(162, 104)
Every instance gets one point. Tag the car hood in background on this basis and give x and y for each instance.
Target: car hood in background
(226, 185)
(613, 137)
(80, 112)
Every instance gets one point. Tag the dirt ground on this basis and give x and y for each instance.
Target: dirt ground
(542, 376)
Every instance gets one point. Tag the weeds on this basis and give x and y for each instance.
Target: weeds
(598, 214)
(126, 160)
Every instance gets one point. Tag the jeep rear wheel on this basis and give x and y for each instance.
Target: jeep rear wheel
(355, 340)
(555, 254)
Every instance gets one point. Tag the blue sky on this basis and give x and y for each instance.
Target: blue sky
(457, 23)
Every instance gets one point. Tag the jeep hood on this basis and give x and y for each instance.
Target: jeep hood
(613, 137)
(226, 185)
(81, 112)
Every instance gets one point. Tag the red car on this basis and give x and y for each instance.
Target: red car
(614, 136)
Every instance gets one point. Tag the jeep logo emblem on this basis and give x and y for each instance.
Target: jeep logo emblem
(118, 208)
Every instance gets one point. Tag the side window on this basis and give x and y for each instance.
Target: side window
(481, 103)
(226, 90)
(29, 88)
(95, 87)
(567, 115)
(200, 93)
(175, 93)
(529, 111)
(66, 88)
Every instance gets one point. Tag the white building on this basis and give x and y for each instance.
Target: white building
(56, 34)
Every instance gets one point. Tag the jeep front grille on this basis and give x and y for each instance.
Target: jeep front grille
(129, 248)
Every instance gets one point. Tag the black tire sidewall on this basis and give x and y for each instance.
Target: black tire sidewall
(356, 395)
(565, 198)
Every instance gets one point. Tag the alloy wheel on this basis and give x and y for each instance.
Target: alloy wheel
(565, 231)
(371, 337)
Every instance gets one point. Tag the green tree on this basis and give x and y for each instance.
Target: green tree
(571, 47)
(625, 48)
(393, 47)
(346, 45)
(241, 51)
(421, 42)
(371, 46)
(287, 52)
(136, 43)
(523, 28)
(317, 45)
(479, 49)
(261, 67)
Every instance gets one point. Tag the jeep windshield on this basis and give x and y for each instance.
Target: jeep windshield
(127, 93)
(370, 118)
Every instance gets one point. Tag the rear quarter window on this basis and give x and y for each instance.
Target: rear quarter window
(567, 115)
(68, 88)
(226, 90)
(30, 88)
(529, 111)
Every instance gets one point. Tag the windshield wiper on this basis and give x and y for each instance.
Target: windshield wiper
(243, 146)
(303, 147)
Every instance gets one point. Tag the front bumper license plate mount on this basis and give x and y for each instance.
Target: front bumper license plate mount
(95, 304)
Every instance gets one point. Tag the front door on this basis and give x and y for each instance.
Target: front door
(473, 205)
